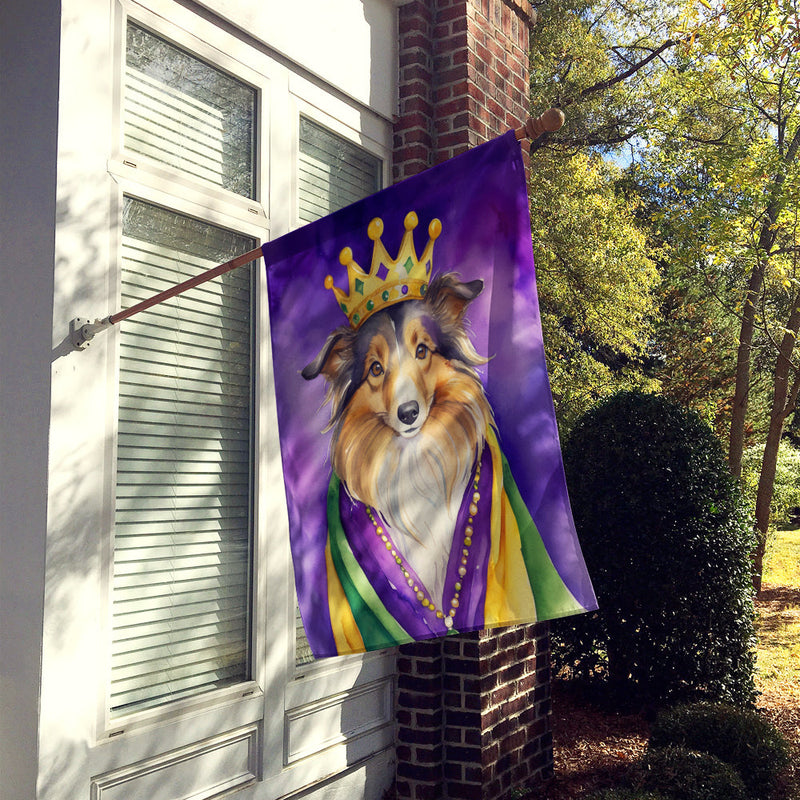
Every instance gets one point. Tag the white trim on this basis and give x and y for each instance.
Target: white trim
(78, 739)
(164, 187)
(163, 768)
(108, 728)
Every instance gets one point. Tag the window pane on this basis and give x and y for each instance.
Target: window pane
(185, 113)
(182, 542)
(333, 173)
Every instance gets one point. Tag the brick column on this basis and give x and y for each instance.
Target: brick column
(473, 711)
(463, 77)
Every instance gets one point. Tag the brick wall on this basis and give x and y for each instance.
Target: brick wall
(473, 711)
(473, 715)
(463, 77)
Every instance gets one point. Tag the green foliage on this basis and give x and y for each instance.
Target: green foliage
(720, 175)
(683, 774)
(595, 273)
(596, 282)
(593, 58)
(741, 738)
(786, 490)
(666, 540)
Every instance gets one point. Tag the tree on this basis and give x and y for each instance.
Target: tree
(596, 278)
(726, 147)
(596, 281)
(598, 60)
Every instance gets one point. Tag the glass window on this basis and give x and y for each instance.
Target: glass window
(187, 114)
(183, 533)
(333, 172)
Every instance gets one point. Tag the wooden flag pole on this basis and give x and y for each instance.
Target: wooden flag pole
(534, 127)
(179, 288)
(82, 331)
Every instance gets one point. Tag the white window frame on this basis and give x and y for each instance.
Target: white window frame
(137, 177)
(271, 712)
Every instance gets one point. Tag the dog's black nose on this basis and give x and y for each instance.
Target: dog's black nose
(408, 412)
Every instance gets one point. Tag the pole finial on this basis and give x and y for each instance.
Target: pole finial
(534, 127)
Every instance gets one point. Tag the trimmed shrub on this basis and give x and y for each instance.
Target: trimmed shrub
(741, 738)
(683, 774)
(667, 542)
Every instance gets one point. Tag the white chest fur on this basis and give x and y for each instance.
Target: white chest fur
(424, 537)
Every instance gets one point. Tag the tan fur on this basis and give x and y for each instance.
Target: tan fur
(408, 422)
(367, 449)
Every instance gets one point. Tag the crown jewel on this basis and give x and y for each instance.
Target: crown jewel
(389, 280)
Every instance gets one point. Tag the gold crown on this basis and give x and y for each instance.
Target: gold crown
(389, 280)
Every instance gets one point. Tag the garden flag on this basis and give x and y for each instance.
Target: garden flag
(423, 474)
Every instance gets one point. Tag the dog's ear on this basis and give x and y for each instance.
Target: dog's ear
(332, 359)
(449, 297)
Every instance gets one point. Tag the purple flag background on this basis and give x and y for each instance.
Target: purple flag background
(481, 199)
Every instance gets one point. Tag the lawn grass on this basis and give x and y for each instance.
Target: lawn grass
(778, 650)
(782, 559)
(778, 623)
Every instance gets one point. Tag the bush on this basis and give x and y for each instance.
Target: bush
(683, 774)
(667, 541)
(743, 739)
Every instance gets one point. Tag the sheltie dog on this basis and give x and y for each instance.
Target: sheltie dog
(409, 417)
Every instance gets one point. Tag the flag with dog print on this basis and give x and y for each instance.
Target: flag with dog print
(421, 463)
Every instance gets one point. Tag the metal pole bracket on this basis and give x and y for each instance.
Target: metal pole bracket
(82, 330)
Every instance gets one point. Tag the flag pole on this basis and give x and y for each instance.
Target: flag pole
(534, 127)
(82, 331)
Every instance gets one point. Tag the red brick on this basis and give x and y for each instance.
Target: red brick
(454, 12)
(429, 756)
(455, 106)
(491, 703)
(414, 88)
(455, 74)
(465, 791)
(453, 140)
(423, 701)
(428, 719)
(419, 73)
(412, 104)
(415, 39)
(440, 31)
(419, 736)
(453, 772)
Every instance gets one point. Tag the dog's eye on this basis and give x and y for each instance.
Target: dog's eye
(422, 351)
(376, 369)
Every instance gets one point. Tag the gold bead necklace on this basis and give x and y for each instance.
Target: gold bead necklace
(423, 598)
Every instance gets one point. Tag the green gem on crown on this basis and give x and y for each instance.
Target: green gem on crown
(387, 280)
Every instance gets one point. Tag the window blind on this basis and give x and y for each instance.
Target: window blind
(332, 173)
(182, 541)
(187, 114)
